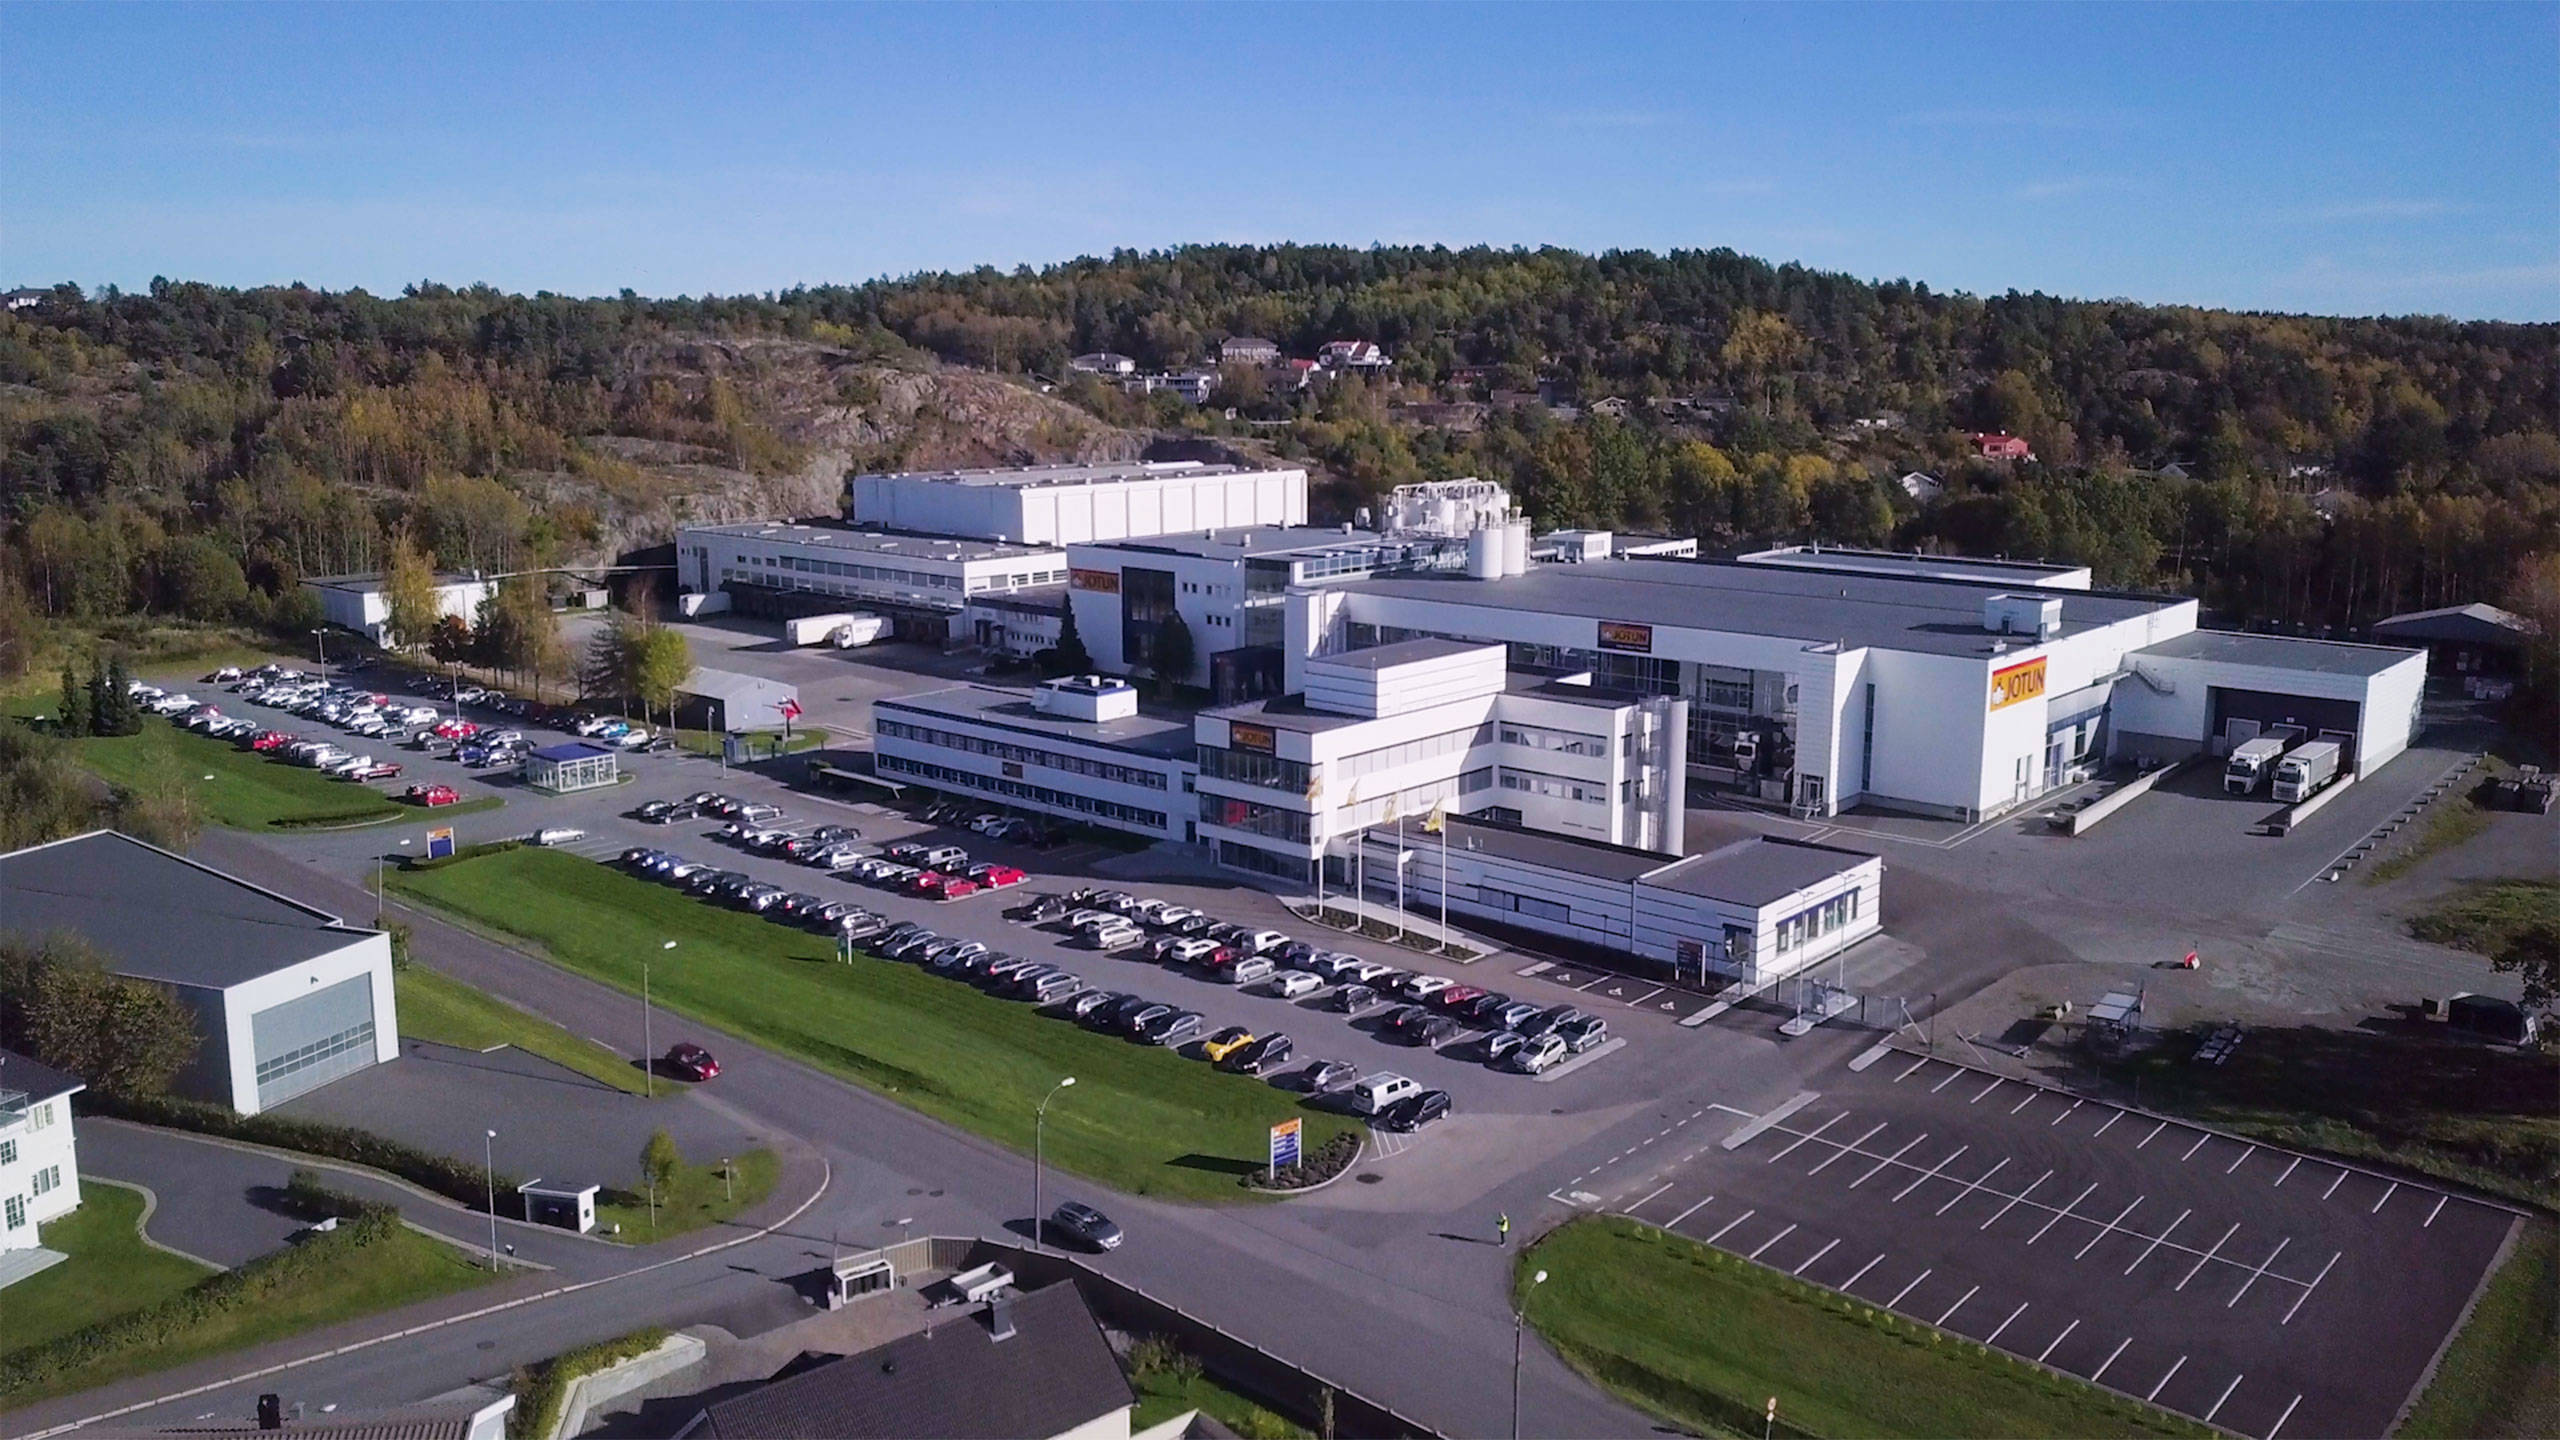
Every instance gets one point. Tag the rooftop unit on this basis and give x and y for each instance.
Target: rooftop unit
(2035, 616)
(1090, 698)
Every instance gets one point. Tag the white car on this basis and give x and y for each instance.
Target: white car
(347, 766)
(419, 715)
(558, 835)
(1423, 987)
(631, 739)
(1262, 940)
(1190, 952)
(1290, 984)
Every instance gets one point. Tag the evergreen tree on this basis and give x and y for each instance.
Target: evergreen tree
(1173, 652)
(74, 719)
(1072, 657)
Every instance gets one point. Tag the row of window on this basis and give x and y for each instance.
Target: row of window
(8, 1152)
(14, 1211)
(1262, 862)
(1245, 767)
(1563, 742)
(1152, 820)
(1417, 800)
(1829, 917)
(1556, 787)
(1388, 757)
(47, 1180)
(1139, 776)
(1017, 580)
(318, 1052)
(1269, 820)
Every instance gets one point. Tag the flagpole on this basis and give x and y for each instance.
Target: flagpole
(1444, 883)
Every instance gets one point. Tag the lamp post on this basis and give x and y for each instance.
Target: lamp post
(322, 637)
(377, 886)
(648, 1046)
(1518, 1319)
(1040, 1153)
(489, 1155)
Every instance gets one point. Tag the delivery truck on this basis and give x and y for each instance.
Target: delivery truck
(2254, 759)
(2305, 770)
(843, 630)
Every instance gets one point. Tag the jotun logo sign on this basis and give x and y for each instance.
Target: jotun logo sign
(1623, 636)
(2022, 681)
(1100, 582)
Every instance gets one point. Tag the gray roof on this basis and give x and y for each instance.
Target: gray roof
(1622, 864)
(881, 544)
(1402, 652)
(370, 584)
(1155, 734)
(159, 916)
(953, 1382)
(1934, 616)
(1260, 541)
(2475, 623)
(1895, 562)
(1286, 712)
(1757, 870)
(710, 684)
(1029, 600)
(34, 1079)
(2280, 652)
(1029, 477)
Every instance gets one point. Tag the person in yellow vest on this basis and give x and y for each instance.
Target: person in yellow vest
(1502, 1226)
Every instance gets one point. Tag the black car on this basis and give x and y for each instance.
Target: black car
(1296, 953)
(1195, 927)
(1415, 1111)
(1261, 1057)
(1430, 1030)
(1086, 1226)
(1136, 1016)
(1352, 999)
(1085, 1002)
(1545, 1021)
(1483, 1008)
(1046, 908)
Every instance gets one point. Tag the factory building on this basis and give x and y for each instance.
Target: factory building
(1078, 748)
(922, 582)
(1053, 505)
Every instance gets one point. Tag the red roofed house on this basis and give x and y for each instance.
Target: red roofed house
(1993, 446)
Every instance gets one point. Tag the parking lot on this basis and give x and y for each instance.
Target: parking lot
(2250, 1287)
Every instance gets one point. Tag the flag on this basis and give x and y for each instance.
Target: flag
(1438, 818)
(790, 709)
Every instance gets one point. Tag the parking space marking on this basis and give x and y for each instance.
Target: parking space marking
(2432, 1214)
(1862, 1272)
(2287, 1175)
(1889, 1159)
(1996, 1082)
(1952, 1073)
(1843, 1150)
(2110, 1125)
(2056, 1342)
(2287, 1415)
(1692, 1210)
(2225, 1399)
(2023, 1104)
(1729, 1224)
(2165, 1379)
(2155, 1241)
(1928, 1174)
(1808, 1135)
(1772, 1240)
(2207, 1258)
(2154, 1135)
(1914, 1070)
(2334, 1184)
(2107, 1229)
(2245, 1154)
(2201, 1137)
(1952, 1309)
(1896, 1302)
(1649, 994)
(2306, 1292)
(2056, 1217)
(2261, 1270)
(1974, 1185)
(2386, 1195)
(2014, 1199)
(1648, 1199)
(2110, 1360)
(1818, 1254)
(2005, 1324)
(2065, 1115)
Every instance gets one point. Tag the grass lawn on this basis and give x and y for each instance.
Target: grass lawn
(444, 1010)
(2450, 822)
(2478, 1114)
(110, 1270)
(759, 743)
(696, 1199)
(1140, 1119)
(1163, 1394)
(1703, 1339)
(248, 791)
(2483, 914)
(2502, 1375)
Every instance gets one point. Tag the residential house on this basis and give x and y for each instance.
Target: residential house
(39, 1166)
(1247, 350)
(1104, 362)
(1992, 445)
(1922, 486)
(1192, 385)
(1616, 407)
(1351, 355)
(24, 299)
(1288, 377)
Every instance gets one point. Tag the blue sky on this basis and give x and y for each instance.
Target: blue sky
(2338, 159)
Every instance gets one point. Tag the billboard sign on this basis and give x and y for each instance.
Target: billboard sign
(1623, 636)
(440, 843)
(1250, 737)
(1284, 1143)
(2022, 681)
(1100, 582)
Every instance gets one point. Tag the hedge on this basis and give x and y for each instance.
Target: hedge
(467, 852)
(454, 1179)
(542, 1389)
(251, 1284)
(311, 1198)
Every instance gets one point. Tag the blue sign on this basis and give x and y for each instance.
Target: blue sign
(1284, 1144)
(440, 843)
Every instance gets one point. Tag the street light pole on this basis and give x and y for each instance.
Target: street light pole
(322, 637)
(1040, 1153)
(648, 1045)
(1519, 1318)
(490, 1158)
(377, 885)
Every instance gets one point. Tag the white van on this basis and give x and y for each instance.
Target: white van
(1375, 1093)
(1251, 969)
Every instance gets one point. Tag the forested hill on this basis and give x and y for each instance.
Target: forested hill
(2289, 468)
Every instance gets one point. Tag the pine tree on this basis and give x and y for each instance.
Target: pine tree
(74, 719)
(1071, 658)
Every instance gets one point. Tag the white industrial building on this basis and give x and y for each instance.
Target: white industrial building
(2224, 688)
(286, 997)
(1401, 730)
(1052, 505)
(921, 581)
(1755, 910)
(728, 700)
(1020, 623)
(2033, 574)
(358, 603)
(1078, 748)
(39, 1160)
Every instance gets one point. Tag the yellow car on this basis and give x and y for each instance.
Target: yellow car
(1226, 1042)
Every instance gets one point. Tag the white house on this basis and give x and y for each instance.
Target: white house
(39, 1165)
(1103, 362)
(357, 602)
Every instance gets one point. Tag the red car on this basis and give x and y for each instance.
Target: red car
(692, 1062)
(457, 729)
(1457, 995)
(934, 885)
(433, 795)
(996, 877)
(271, 740)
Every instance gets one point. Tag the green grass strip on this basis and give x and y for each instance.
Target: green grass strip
(110, 1271)
(443, 1010)
(2501, 1375)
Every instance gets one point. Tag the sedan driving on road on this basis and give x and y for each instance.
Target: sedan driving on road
(692, 1062)
(1086, 1226)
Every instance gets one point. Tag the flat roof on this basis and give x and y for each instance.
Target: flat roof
(371, 584)
(1901, 562)
(1933, 616)
(887, 544)
(710, 684)
(1264, 541)
(159, 916)
(1030, 599)
(1622, 864)
(1106, 472)
(1287, 712)
(1157, 734)
(1757, 870)
(1402, 652)
(2281, 652)
(574, 750)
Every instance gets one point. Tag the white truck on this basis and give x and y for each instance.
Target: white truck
(843, 630)
(2302, 772)
(2251, 760)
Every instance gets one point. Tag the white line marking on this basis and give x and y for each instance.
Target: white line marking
(2244, 1155)
(2110, 1360)
(2287, 1175)
(2201, 1137)
(1862, 1272)
(2003, 1325)
(1692, 1210)
(1896, 1301)
(2056, 1342)
(1729, 1224)
(2261, 1270)
(2154, 1135)
(2109, 1228)
(1996, 1082)
(2432, 1214)
(1889, 1159)
(2110, 1125)
(1649, 1199)
(2334, 1184)
(1772, 1240)
(2056, 1217)
(1843, 1150)
(1952, 1309)
(2156, 1239)
(1943, 1084)
(1649, 994)
(2164, 1380)
(1800, 1139)
(2226, 1396)
(2065, 1115)
(2014, 1199)
(2023, 1104)
(1929, 1174)
(1914, 1070)
(2386, 1195)
(2305, 1295)
(1818, 1254)
(1751, 1129)
(2287, 1415)
(1976, 1185)
(2207, 1258)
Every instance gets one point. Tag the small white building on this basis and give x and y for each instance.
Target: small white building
(727, 700)
(286, 997)
(1103, 362)
(1077, 748)
(1021, 623)
(1247, 350)
(39, 1162)
(1070, 504)
(357, 602)
(566, 769)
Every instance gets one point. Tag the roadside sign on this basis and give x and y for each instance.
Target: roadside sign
(440, 843)
(1284, 1143)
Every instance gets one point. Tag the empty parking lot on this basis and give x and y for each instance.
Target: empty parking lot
(2267, 1292)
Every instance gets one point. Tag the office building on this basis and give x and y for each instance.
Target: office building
(1078, 748)
(920, 581)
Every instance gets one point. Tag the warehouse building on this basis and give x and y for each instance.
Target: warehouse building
(1078, 748)
(921, 582)
(1020, 623)
(1054, 505)
(359, 603)
(1756, 910)
(2472, 639)
(286, 997)
(2212, 689)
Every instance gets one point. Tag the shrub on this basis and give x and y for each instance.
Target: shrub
(454, 1179)
(467, 852)
(542, 1389)
(1323, 1163)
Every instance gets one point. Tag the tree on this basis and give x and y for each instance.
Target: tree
(660, 1161)
(1172, 652)
(112, 708)
(2534, 951)
(409, 593)
(163, 811)
(661, 661)
(200, 580)
(60, 1004)
(73, 721)
(43, 794)
(451, 641)
(1072, 657)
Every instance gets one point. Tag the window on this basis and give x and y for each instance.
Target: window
(16, 1208)
(1826, 918)
(48, 1179)
(1128, 815)
(1139, 776)
(1565, 742)
(1556, 787)
(8, 1152)
(40, 1117)
(1244, 767)
(1524, 905)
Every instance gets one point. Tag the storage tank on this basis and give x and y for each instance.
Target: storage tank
(1485, 554)
(1515, 548)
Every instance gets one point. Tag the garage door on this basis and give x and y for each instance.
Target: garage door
(306, 1043)
(2239, 714)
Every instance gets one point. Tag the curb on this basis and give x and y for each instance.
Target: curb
(1360, 1148)
(142, 1222)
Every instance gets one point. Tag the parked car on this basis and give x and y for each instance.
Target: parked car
(1588, 1033)
(1546, 1020)
(996, 877)
(1261, 1057)
(1375, 1094)
(1044, 909)
(1142, 1017)
(1085, 1002)
(433, 795)
(1457, 998)
(379, 770)
(1290, 984)
(1086, 1226)
(1352, 999)
(692, 1062)
(1500, 1044)
(1326, 1075)
(1249, 970)
(558, 835)
(1416, 1111)
(1175, 1030)
(1226, 1042)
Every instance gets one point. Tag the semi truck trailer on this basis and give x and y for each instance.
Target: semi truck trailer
(2304, 771)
